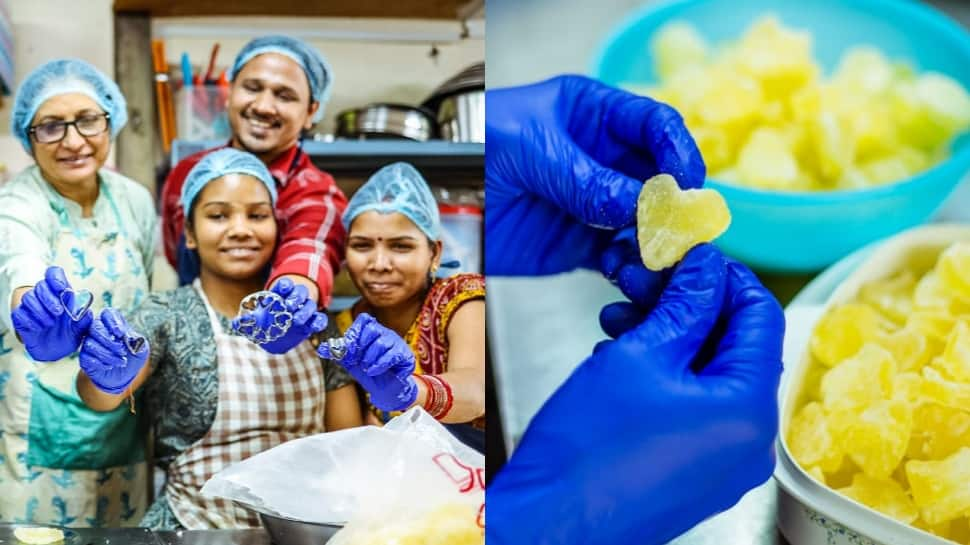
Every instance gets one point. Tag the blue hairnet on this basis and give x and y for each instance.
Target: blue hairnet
(314, 65)
(60, 77)
(398, 187)
(219, 163)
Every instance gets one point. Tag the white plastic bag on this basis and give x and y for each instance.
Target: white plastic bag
(411, 476)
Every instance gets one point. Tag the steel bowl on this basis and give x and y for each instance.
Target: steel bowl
(382, 120)
(461, 117)
(286, 531)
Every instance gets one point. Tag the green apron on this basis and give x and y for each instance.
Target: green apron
(60, 462)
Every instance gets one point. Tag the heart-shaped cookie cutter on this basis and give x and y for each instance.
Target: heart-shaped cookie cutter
(135, 342)
(337, 346)
(269, 306)
(82, 301)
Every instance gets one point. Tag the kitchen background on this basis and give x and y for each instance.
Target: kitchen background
(400, 53)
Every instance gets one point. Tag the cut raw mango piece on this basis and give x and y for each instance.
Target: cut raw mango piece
(908, 387)
(450, 524)
(903, 162)
(934, 324)
(874, 121)
(671, 221)
(940, 488)
(811, 441)
(954, 269)
(675, 46)
(865, 69)
(831, 145)
(945, 392)
(859, 381)
(942, 529)
(892, 297)
(842, 332)
(938, 431)
(766, 161)
(909, 348)
(39, 535)
(955, 360)
(930, 110)
(930, 293)
(883, 495)
(877, 440)
(779, 57)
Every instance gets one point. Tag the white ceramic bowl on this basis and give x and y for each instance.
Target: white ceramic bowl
(809, 513)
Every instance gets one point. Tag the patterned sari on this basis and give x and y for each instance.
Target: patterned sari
(428, 335)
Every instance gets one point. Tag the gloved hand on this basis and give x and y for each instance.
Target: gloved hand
(657, 430)
(113, 353)
(306, 319)
(380, 360)
(621, 265)
(48, 320)
(564, 163)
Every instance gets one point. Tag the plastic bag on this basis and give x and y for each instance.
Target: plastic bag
(409, 478)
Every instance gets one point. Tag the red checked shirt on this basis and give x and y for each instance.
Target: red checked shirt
(308, 209)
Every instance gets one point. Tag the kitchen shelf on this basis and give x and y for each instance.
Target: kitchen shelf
(364, 156)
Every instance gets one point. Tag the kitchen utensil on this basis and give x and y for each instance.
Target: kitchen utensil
(285, 531)
(806, 231)
(461, 117)
(809, 512)
(386, 120)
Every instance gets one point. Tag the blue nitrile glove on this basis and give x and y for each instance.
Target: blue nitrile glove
(113, 353)
(48, 320)
(658, 430)
(306, 319)
(380, 360)
(621, 264)
(568, 155)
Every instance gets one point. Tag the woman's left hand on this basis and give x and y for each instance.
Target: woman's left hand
(380, 360)
(113, 354)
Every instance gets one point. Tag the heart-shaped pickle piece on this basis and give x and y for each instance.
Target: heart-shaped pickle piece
(135, 343)
(76, 303)
(671, 221)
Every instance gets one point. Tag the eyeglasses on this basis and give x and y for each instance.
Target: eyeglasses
(55, 131)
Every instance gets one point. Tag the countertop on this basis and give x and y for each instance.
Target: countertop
(214, 537)
(144, 536)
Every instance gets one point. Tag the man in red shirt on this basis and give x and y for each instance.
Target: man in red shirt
(279, 86)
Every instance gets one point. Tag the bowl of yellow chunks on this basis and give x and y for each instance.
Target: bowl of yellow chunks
(826, 125)
(875, 411)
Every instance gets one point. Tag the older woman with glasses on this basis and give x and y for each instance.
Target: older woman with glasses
(74, 237)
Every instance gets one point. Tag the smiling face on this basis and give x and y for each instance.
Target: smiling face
(75, 159)
(269, 105)
(232, 227)
(388, 258)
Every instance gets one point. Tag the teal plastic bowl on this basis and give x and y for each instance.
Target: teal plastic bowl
(801, 231)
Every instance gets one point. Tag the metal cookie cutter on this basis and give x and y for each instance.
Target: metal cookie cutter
(83, 299)
(263, 317)
(134, 342)
(337, 347)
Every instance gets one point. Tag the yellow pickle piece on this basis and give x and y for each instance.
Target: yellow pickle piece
(811, 440)
(671, 221)
(940, 487)
(842, 332)
(38, 535)
(888, 385)
(884, 495)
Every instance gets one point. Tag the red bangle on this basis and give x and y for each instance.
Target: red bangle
(440, 398)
